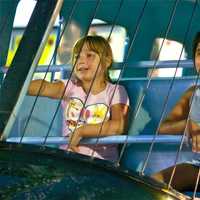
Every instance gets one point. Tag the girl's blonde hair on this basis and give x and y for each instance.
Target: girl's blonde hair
(97, 44)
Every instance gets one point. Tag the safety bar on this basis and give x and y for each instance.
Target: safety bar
(44, 68)
(159, 64)
(119, 139)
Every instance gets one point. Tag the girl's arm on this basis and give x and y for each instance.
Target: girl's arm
(172, 127)
(176, 121)
(115, 126)
(45, 88)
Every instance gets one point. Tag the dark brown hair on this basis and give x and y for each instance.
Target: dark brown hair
(196, 41)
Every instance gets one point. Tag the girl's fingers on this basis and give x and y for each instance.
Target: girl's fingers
(73, 149)
(196, 143)
(74, 140)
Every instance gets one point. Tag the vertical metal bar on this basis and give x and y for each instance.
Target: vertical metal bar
(7, 14)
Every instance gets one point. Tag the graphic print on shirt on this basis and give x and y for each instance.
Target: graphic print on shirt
(91, 114)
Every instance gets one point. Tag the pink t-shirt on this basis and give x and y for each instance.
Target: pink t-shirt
(94, 111)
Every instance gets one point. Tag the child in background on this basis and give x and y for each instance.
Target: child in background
(176, 120)
(187, 107)
(89, 97)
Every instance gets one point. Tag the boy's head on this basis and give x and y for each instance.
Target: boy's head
(196, 41)
(97, 44)
(196, 52)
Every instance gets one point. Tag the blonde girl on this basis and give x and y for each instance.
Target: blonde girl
(92, 105)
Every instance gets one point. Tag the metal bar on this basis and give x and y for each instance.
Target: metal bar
(119, 139)
(160, 64)
(141, 64)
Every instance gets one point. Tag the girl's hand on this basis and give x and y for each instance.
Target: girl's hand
(194, 131)
(74, 139)
(73, 149)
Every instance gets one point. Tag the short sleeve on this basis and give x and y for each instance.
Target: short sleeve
(119, 95)
(195, 107)
(68, 85)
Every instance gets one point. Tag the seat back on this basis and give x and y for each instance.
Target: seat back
(40, 118)
(160, 96)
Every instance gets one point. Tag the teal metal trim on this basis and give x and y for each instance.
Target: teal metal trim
(7, 14)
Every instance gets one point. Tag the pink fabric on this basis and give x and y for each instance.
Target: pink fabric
(93, 112)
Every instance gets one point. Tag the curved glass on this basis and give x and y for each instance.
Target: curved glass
(29, 172)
